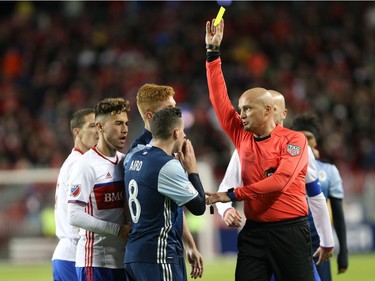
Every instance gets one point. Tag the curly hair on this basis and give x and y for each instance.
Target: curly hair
(111, 106)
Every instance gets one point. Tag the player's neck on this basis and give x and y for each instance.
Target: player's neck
(164, 145)
(105, 149)
(264, 131)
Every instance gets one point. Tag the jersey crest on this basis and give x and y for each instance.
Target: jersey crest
(293, 150)
(75, 190)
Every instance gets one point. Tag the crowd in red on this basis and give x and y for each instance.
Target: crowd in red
(57, 57)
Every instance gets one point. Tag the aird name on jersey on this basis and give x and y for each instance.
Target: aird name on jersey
(135, 165)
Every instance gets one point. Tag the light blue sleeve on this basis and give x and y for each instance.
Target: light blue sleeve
(174, 183)
(335, 188)
(130, 153)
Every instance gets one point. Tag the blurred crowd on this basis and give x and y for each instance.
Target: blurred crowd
(57, 57)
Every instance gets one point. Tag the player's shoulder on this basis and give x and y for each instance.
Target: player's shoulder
(288, 133)
(325, 164)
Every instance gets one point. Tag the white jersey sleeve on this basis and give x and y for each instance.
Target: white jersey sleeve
(232, 178)
(312, 172)
(319, 211)
(78, 217)
(317, 203)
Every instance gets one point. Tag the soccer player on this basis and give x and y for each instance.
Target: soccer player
(157, 184)
(85, 136)
(331, 184)
(150, 99)
(276, 236)
(315, 197)
(96, 200)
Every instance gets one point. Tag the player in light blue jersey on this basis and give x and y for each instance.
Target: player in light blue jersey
(331, 185)
(157, 184)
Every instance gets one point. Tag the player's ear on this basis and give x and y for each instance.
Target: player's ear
(99, 126)
(148, 115)
(76, 132)
(175, 133)
(268, 109)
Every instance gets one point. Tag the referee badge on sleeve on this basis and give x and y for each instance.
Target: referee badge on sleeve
(75, 190)
(293, 150)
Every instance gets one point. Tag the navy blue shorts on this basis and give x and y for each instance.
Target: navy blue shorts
(137, 271)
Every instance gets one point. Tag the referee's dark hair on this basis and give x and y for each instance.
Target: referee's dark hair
(164, 122)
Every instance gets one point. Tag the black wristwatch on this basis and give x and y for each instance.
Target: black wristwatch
(230, 193)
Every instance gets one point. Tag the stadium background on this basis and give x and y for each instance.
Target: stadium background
(57, 57)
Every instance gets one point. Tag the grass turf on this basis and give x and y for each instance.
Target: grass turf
(361, 267)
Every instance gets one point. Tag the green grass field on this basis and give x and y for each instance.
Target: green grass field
(361, 268)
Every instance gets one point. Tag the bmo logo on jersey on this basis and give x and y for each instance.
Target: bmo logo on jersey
(109, 195)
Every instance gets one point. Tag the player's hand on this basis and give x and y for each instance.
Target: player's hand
(323, 255)
(214, 34)
(213, 197)
(124, 231)
(342, 261)
(196, 262)
(232, 218)
(187, 157)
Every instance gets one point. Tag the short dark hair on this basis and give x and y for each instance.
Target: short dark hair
(164, 122)
(111, 106)
(307, 122)
(78, 118)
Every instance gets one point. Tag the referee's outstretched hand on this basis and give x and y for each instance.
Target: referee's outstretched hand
(214, 34)
(213, 197)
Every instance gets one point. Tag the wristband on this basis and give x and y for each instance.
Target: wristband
(230, 193)
(212, 48)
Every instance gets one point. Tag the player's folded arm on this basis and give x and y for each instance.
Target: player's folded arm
(79, 218)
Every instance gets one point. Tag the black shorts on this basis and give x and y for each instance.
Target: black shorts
(281, 248)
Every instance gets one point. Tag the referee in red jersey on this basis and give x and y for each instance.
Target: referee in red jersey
(276, 236)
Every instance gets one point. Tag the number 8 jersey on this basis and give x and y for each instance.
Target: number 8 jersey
(156, 185)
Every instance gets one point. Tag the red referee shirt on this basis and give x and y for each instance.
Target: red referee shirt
(273, 168)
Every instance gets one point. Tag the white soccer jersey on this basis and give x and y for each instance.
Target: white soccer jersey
(97, 182)
(232, 178)
(67, 234)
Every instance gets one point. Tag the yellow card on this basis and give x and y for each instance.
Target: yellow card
(219, 16)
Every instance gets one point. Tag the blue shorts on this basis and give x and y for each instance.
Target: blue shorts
(100, 274)
(64, 270)
(137, 271)
(324, 270)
